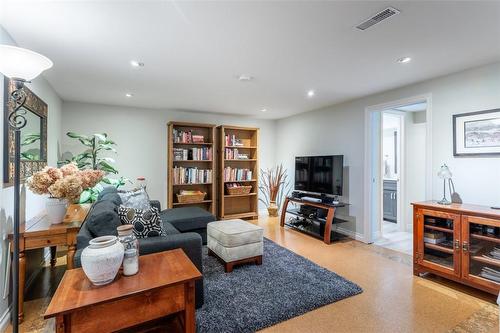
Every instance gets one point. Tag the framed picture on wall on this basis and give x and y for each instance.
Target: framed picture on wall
(476, 133)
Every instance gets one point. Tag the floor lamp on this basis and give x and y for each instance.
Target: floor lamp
(21, 66)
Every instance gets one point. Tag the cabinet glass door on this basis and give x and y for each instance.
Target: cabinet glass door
(481, 251)
(439, 247)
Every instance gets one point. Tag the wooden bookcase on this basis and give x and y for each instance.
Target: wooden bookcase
(244, 205)
(173, 188)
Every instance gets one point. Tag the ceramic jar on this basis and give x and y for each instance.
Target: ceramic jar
(272, 209)
(102, 259)
(131, 245)
(56, 209)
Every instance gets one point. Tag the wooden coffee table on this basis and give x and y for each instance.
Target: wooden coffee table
(163, 286)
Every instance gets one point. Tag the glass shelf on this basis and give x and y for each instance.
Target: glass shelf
(438, 241)
(484, 252)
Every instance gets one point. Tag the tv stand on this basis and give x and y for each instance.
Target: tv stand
(328, 221)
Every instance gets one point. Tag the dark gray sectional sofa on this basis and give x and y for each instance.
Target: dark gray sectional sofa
(185, 228)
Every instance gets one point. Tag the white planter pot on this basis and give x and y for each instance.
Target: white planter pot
(102, 259)
(56, 209)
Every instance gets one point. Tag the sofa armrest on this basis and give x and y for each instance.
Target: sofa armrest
(190, 242)
(77, 260)
(155, 204)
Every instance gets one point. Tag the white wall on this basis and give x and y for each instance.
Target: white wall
(414, 131)
(391, 123)
(141, 137)
(34, 204)
(339, 129)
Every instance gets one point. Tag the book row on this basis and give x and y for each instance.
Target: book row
(234, 154)
(180, 136)
(235, 174)
(194, 154)
(183, 175)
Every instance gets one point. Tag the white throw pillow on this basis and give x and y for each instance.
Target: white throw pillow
(137, 199)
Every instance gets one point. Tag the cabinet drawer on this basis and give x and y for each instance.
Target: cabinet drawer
(44, 241)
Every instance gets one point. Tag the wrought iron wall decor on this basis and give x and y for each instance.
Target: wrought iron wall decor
(34, 111)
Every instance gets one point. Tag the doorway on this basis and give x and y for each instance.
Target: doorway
(399, 169)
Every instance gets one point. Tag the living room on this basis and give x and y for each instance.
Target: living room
(262, 89)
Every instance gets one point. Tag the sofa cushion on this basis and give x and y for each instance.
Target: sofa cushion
(103, 219)
(187, 218)
(232, 233)
(169, 229)
(147, 222)
(113, 197)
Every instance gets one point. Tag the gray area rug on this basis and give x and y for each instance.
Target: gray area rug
(254, 297)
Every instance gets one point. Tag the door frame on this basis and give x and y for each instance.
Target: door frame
(373, 180)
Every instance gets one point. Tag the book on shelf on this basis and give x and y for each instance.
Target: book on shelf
(180, 136)
(434, 240)
(231, 140)
(234, 154)
(235, 174)
(193, 154)
(183, 175)
(434, 235)
(493, 254)
(490, 273)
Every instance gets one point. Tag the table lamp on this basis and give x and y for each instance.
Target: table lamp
(445, 174)
(21, 66)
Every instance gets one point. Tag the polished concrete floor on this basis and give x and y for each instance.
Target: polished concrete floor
(394, 300)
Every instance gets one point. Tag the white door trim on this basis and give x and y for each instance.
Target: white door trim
(372, 182)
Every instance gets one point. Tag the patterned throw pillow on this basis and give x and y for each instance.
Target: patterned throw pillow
(137, 198)
(147, 223)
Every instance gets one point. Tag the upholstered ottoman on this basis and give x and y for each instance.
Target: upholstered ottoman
(235, 242)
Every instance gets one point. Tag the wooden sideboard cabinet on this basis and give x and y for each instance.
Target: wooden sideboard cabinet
(458, 241)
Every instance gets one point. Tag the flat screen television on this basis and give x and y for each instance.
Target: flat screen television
(319, 174)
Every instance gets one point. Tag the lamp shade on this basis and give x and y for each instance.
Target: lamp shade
(444, 172)
(19, 63)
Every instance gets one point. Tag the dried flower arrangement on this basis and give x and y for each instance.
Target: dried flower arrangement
(66, 182)
(274, 185)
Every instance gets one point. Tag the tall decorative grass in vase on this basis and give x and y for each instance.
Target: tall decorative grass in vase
(274, 185)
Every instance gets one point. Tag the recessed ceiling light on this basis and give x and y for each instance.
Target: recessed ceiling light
(404, 60)
(245, 78)
(128, 95)
(136, 64)
(310, 93)
(263, 110)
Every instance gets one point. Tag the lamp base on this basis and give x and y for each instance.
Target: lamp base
(444, 201)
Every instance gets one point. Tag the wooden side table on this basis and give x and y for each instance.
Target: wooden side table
(163, 286)
(39, 233)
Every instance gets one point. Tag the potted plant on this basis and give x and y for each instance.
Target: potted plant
(96, 146)
(274, 184)
(63, 185)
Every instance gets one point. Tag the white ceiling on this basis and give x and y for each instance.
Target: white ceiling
(193, 51)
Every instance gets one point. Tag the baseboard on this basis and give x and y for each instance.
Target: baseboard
(5, 320)
(353, 234)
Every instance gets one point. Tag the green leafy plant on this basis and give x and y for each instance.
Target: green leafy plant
(32, 154)
(91, 158)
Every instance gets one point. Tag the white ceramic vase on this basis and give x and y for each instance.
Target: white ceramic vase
(56, 209)
(102, 259)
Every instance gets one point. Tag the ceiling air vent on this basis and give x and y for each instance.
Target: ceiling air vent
(377, 18)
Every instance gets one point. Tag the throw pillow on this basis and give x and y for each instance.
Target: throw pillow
(103, 219)
(137, 198)
(147, 222)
